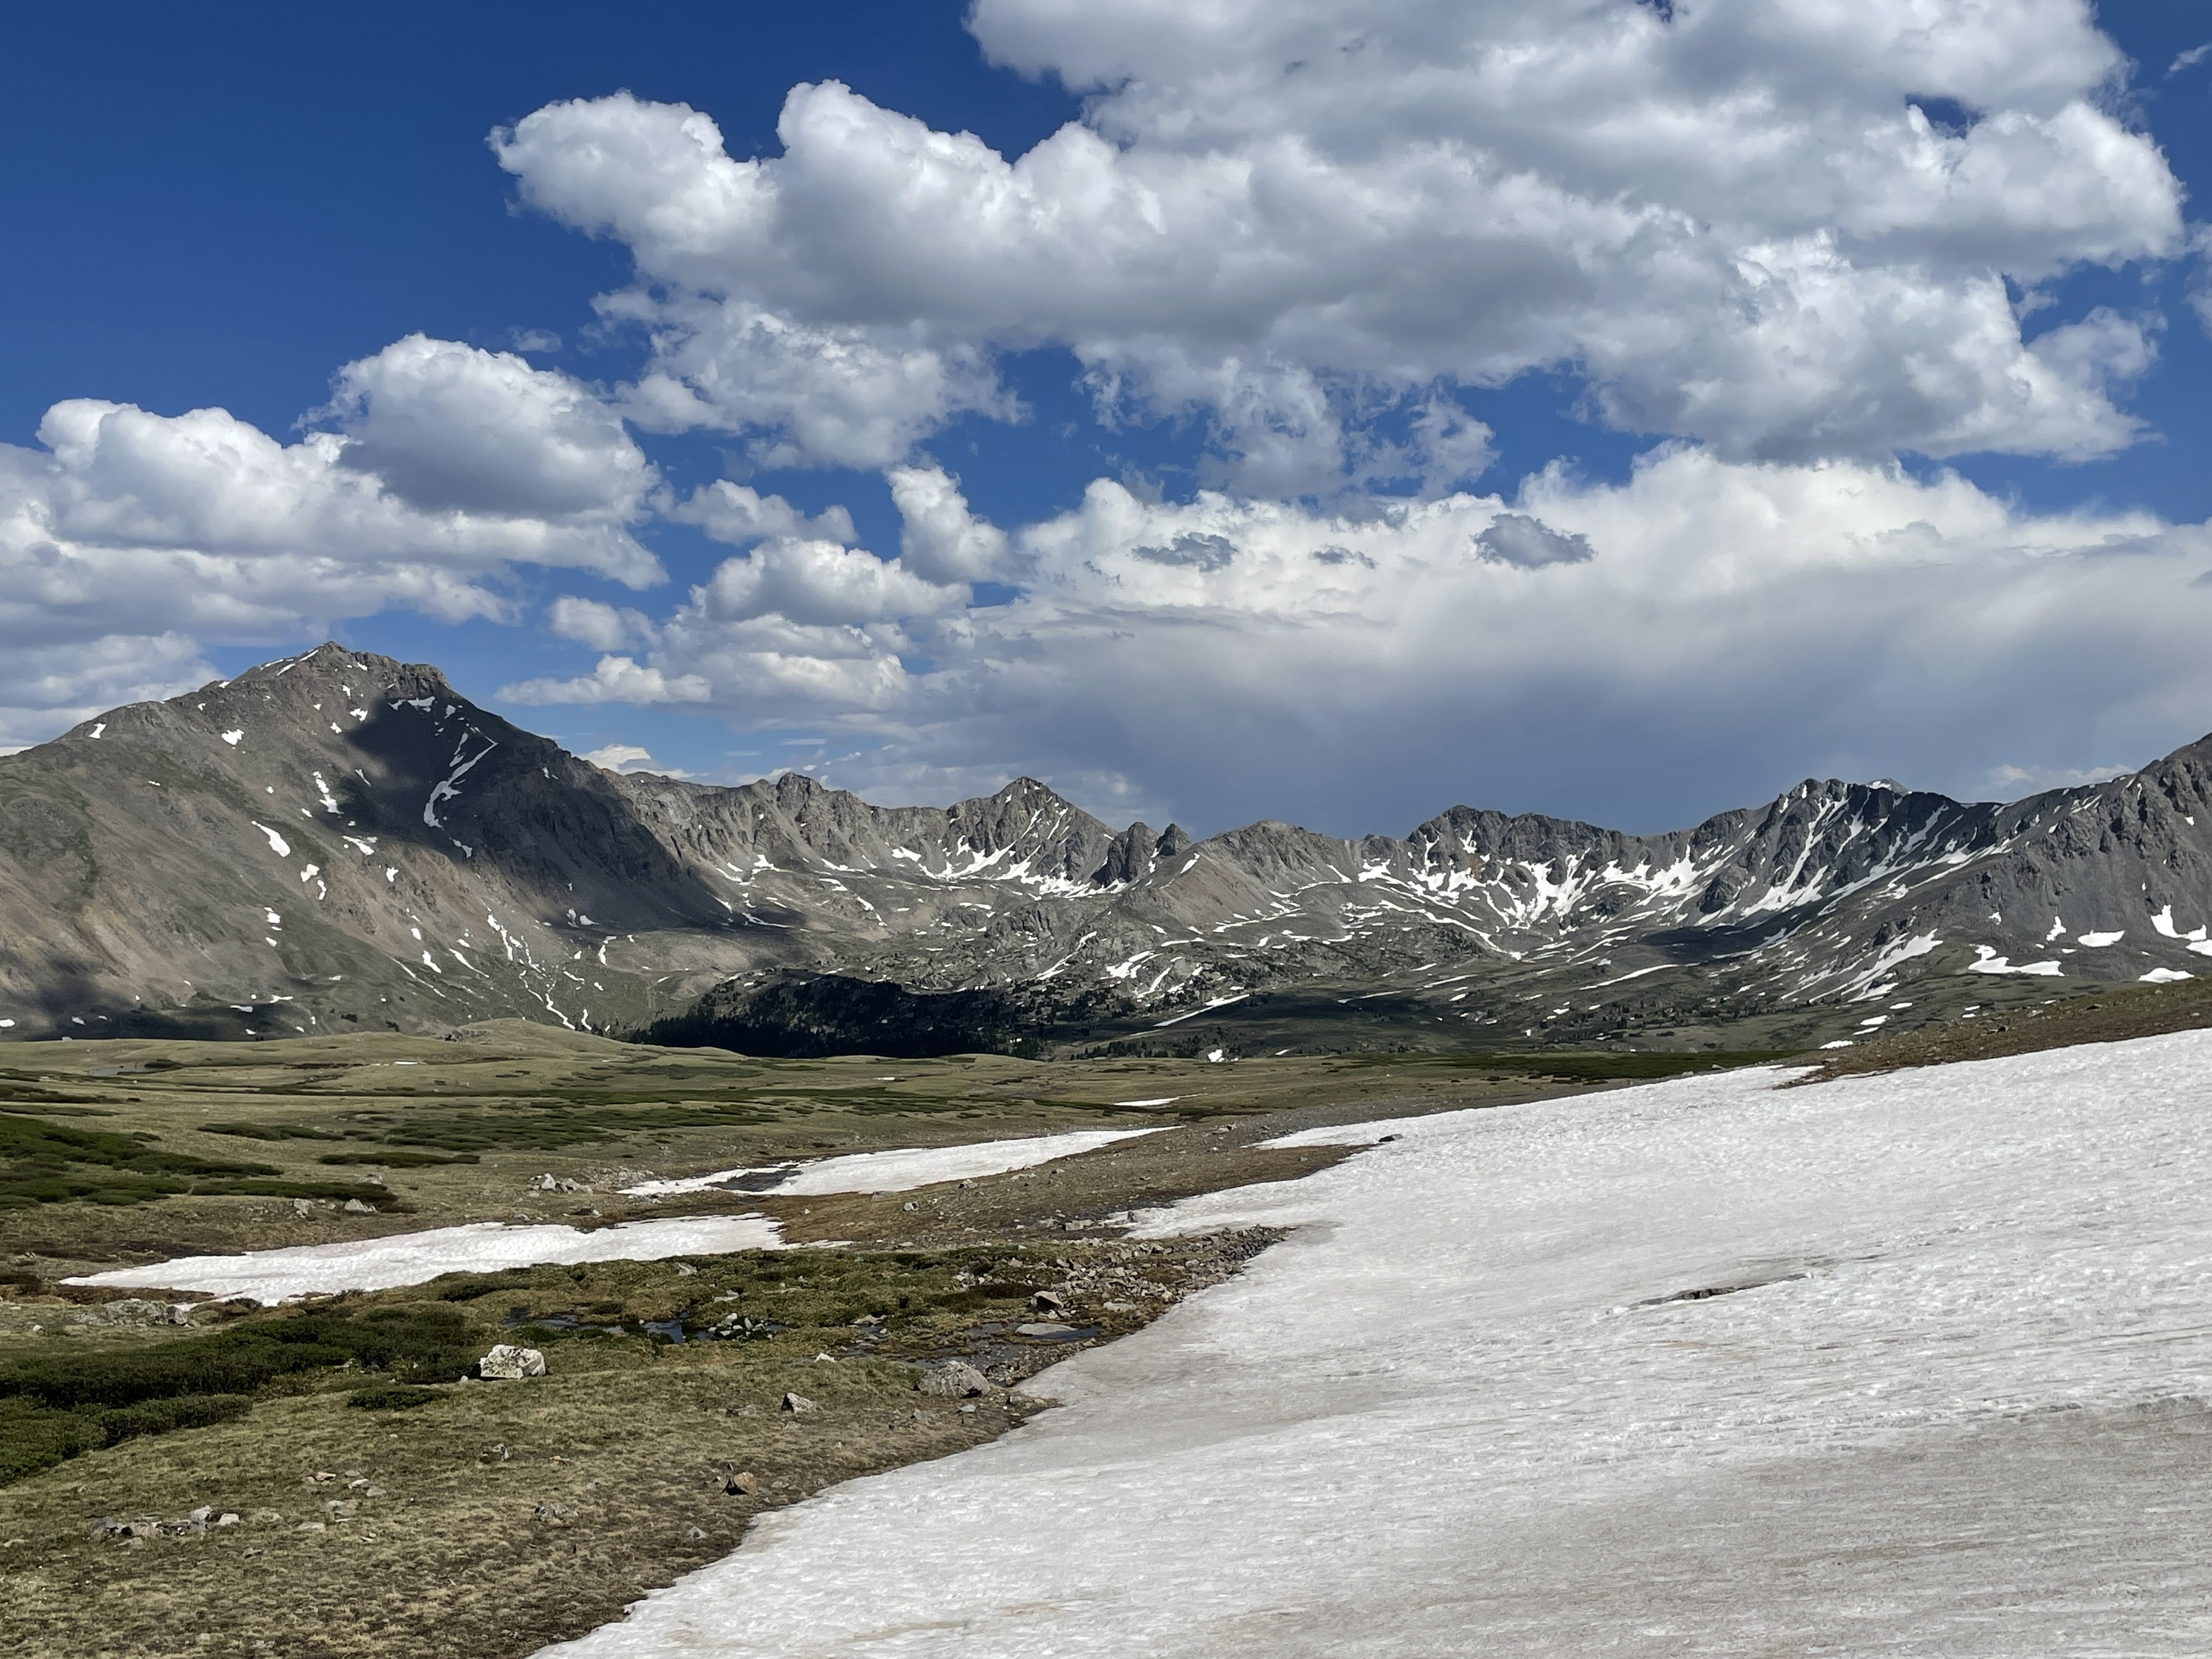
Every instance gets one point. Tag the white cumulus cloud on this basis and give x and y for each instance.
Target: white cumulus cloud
(438, 470)
(594, 622)
(939, 540)
(740, 514)
(1737, 220)
(819, 583)
(1734, 626)
(446, 426)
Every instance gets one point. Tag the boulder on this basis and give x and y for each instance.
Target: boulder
(954, 1379)
(355, 1206)
(797, 1404)
(740, 1485)
(509, 1364)
(1048, 1301)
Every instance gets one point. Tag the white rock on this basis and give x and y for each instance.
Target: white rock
(509, 1364)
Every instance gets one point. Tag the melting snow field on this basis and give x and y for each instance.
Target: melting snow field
(1908, 1364)
(382, 1264)
(896, 1171)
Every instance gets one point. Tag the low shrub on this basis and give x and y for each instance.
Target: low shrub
(194, 1410)
(43, 1162)
(430, 1343)
(33, 1437)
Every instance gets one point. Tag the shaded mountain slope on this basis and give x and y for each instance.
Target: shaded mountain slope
(340, 841)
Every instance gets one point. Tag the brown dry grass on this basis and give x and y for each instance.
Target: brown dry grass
(508, 1515)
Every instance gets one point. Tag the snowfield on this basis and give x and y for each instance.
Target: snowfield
(383, 1264)
(900, 1170)
(1910, 1365)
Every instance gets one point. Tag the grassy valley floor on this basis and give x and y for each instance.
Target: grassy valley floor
(383, 1508)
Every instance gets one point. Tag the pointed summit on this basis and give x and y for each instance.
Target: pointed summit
(338, 841)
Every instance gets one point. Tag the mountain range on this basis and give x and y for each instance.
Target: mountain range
(341, 841)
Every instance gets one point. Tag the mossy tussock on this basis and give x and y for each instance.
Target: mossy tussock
(43, 1162)
(54, 1407)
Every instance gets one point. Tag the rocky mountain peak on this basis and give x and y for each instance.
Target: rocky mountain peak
(340, 840)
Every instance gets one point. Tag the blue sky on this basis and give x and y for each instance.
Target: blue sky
(1847, 390)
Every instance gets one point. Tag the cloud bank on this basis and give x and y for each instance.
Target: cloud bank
(1707, 626)
(1789, 231)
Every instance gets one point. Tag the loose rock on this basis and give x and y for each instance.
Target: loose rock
(797, 1404)
(509, 1364)
(955, 1379)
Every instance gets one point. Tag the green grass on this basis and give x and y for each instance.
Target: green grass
(57, 1406)
(393, 1397)
(43, 1162)
(537, 1125)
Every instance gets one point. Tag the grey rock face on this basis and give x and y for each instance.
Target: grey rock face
(340, 841)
